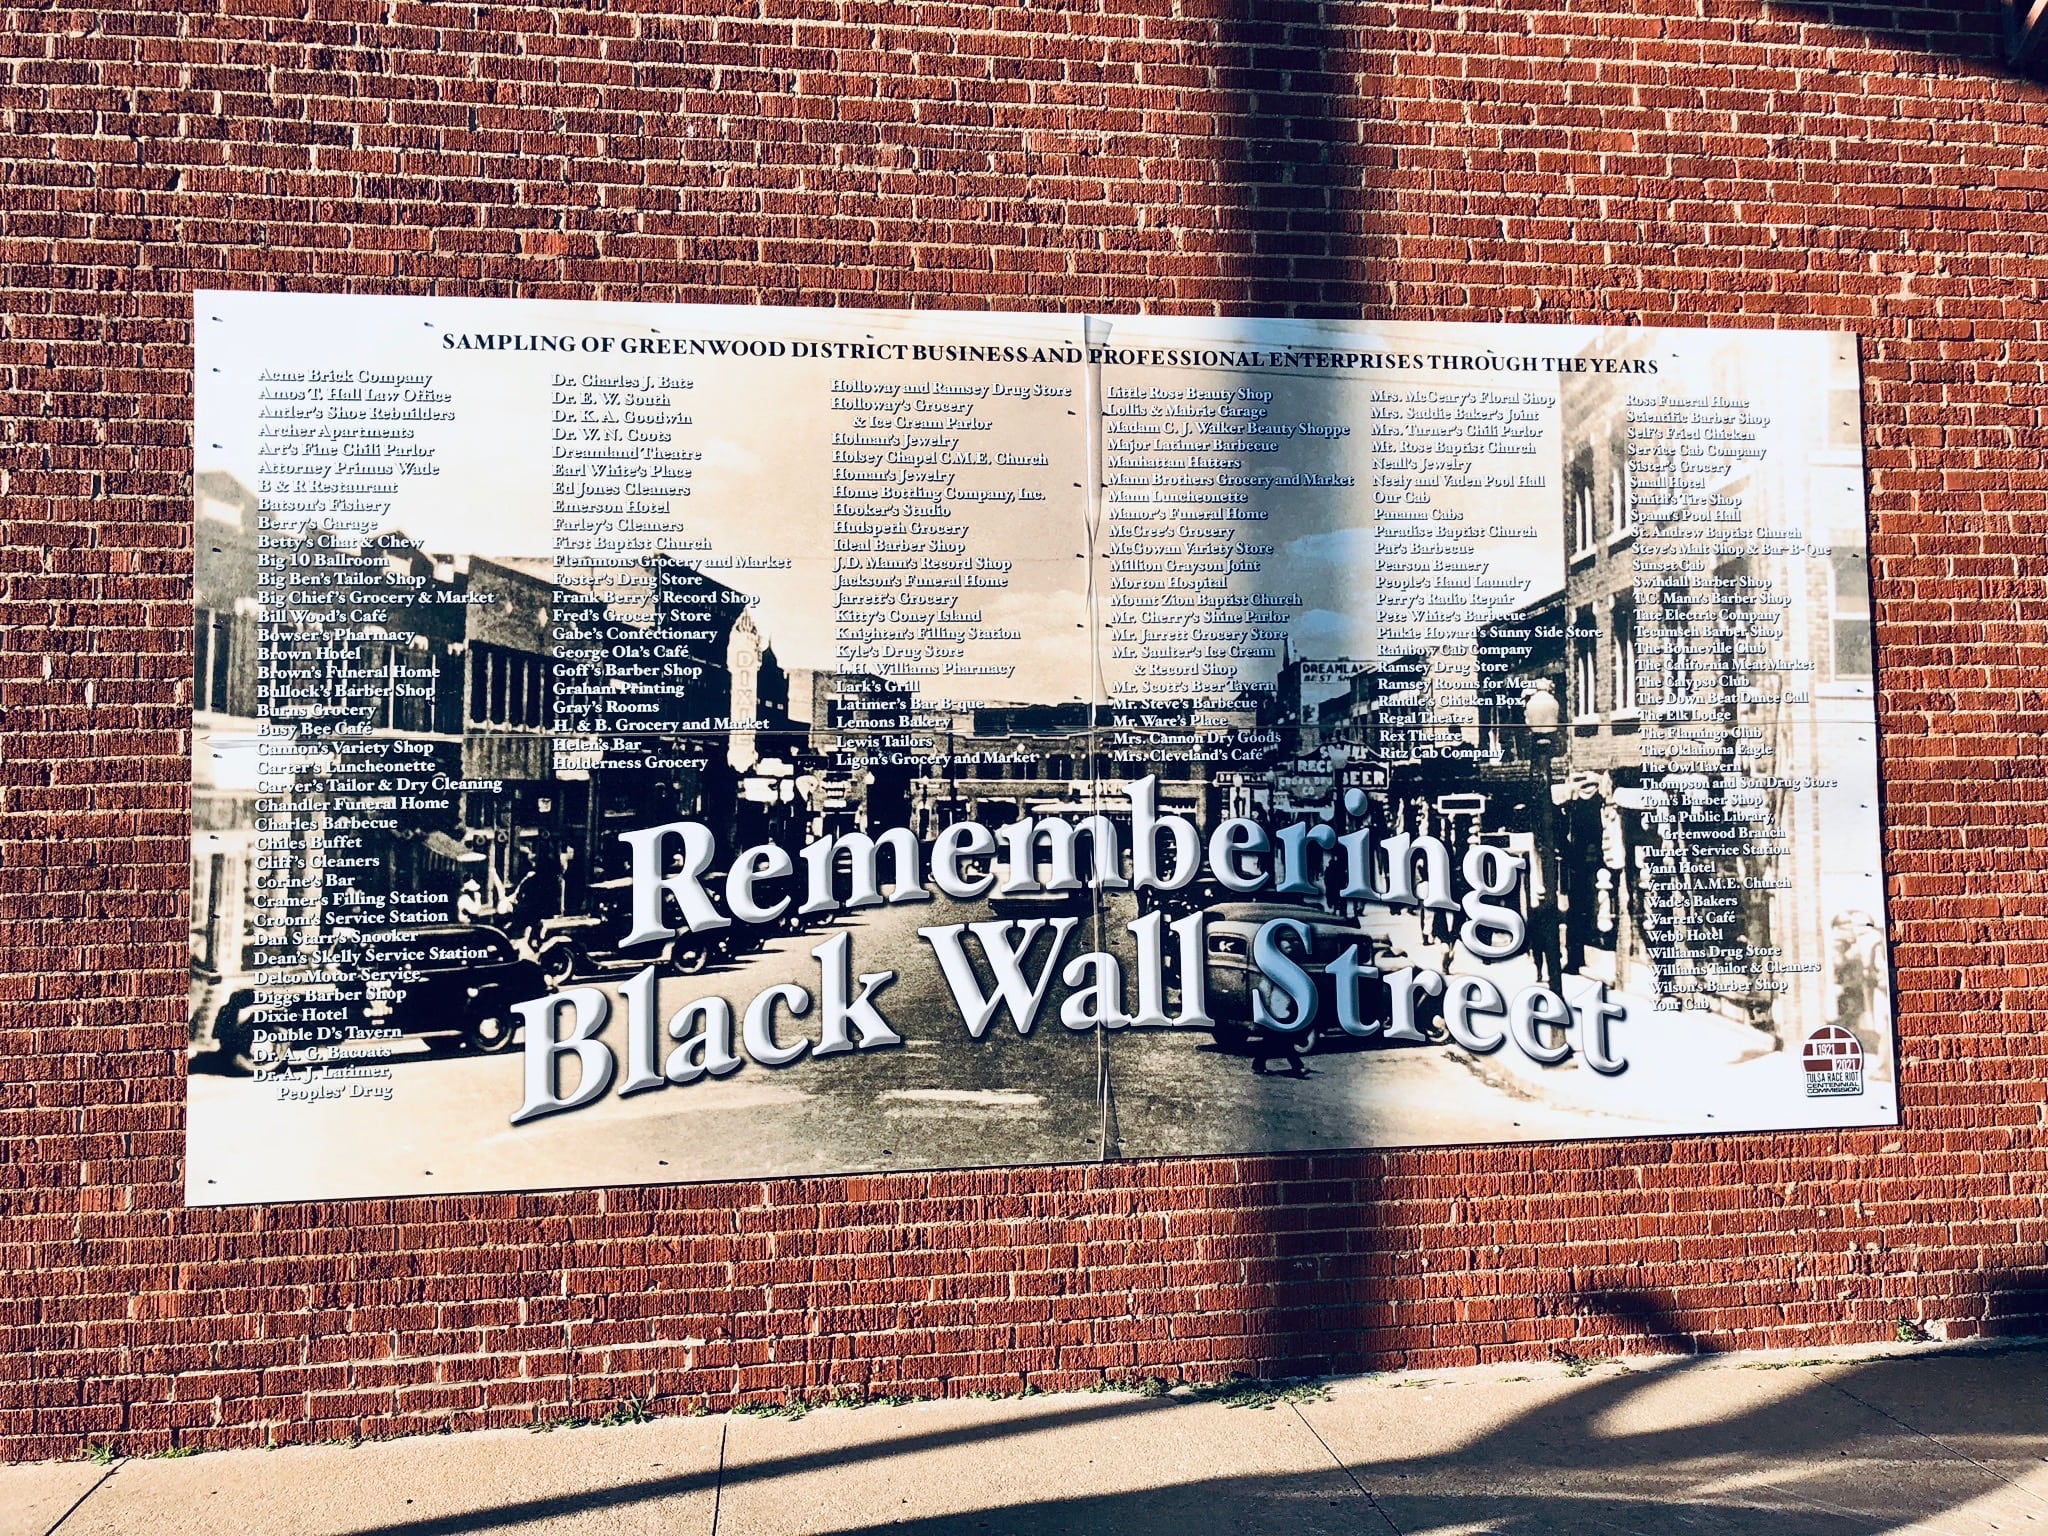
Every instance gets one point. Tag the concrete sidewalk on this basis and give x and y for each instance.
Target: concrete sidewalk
(1938, 1440)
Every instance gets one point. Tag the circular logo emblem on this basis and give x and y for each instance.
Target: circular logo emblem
(1834, 1062)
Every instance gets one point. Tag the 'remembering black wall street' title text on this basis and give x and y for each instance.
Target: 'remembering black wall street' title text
(1487, 890)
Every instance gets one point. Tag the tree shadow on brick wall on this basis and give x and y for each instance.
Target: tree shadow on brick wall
(1328, 1286)
(1979, 34)
(1301, 185)
(1309, 210)
(1299, 202)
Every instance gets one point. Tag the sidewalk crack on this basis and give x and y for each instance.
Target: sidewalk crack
(97, 1484)
(1936, 1440)
(718, 1487)
(1344, 1467)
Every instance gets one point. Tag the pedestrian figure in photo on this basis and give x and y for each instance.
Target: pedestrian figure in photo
(575, 880)
(1268, 1043)
(523, 907)
(1545, 942)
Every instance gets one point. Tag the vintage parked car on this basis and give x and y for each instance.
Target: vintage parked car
(1197, 895)
(588, 945)
(454, 985)
(1027, 904)
(1082, 899)
(743, 937)
(1229, 932)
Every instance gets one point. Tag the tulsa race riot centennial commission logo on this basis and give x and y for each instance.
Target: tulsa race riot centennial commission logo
(1834, 1062)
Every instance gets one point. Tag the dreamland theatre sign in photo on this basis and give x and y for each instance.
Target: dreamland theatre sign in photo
(654, 743)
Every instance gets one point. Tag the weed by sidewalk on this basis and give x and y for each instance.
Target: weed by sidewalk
(1580, 1365)
(628, 1410)
(1231, 1392)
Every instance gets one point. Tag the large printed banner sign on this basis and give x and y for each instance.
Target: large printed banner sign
(644, 743)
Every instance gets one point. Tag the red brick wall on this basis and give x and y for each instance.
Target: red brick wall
(1669, 161)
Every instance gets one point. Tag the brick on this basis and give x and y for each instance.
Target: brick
(1594, 163)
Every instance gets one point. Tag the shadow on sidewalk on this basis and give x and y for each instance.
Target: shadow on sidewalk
(1847, 1454)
